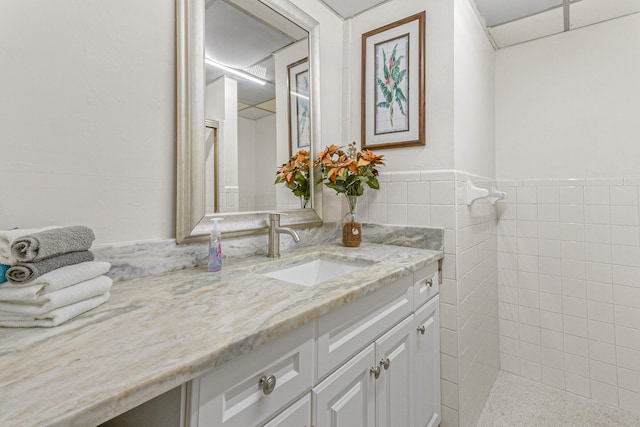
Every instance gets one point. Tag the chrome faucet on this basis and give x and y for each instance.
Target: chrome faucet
(274, 235)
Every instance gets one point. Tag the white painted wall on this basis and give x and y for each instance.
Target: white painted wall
(221, 104)
(283, 58)
(266, 163)
(567, 106)
(330, 116)
(87, 113)
(214, 100)
(87, 116)
(473, 91)
(459, 87)
(256, 143)
(438, 152)
(210, 169)
(247, 170)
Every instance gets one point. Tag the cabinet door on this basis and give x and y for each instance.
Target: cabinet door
(296, 415)
(427, 371)
(347, 397)
(394, 388)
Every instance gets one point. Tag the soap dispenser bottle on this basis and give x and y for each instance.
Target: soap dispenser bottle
(215, 247)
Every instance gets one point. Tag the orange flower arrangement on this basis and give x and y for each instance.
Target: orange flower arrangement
(348, 172)
(295, 174)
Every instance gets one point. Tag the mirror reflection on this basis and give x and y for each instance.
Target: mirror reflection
(294, 175)
(211, 164)
(257, 111)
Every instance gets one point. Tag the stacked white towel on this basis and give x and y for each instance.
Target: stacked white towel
(55, 297)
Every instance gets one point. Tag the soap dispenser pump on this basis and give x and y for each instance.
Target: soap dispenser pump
(215, 247)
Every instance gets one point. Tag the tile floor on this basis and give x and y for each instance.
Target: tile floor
(518, 402)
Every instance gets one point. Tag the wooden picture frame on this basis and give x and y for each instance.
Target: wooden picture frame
(299, 106)
(393, 85)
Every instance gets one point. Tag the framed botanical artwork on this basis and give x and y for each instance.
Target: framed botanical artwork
(299, 111)
(393, 98)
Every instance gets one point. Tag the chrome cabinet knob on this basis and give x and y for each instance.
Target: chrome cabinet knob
(421, 329)
(268, 383)
(375, 371)
(429, 282)
(385, 363)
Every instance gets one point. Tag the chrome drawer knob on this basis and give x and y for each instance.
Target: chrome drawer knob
(429, 282)
(385, 363)
(421, 329)
(375, 371)
(268, 383)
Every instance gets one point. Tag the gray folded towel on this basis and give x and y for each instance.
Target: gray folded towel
(46, 244)
(26, 272)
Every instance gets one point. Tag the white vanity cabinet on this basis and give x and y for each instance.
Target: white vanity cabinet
(373, 362)
(427, 364)
(352, 327)
(347, 397)
(296, 415)
(395, 383)
(250, 390)
(376, 384)
(395, 380)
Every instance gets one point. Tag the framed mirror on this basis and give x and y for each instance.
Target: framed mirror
(234, 133)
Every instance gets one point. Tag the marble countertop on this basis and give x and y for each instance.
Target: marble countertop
(158, 332)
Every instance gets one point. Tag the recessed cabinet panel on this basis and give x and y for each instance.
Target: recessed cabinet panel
(296, 415)
(427, 284)
(394, 387)
(233, 395)
(347, 397)
(343, 333)
(427, 364)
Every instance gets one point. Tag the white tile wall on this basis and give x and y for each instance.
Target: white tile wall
(470, 353)
(569, 286)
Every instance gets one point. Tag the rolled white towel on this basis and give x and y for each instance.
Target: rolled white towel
(53, 317)
(66, 296)
(8, 236)
(53, 281)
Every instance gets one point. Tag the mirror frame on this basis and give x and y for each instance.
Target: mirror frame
(193, 223)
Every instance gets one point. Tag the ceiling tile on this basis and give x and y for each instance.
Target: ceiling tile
(532, 27)
(269, 105)
(587, 12)
(349, 8)
(497, 12)
(254, 113)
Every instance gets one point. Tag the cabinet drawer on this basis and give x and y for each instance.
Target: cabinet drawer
(296, 415)
(232, 396)
(427, 284)
(349, 329)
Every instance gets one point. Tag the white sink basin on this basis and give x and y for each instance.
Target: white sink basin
(314, 272)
